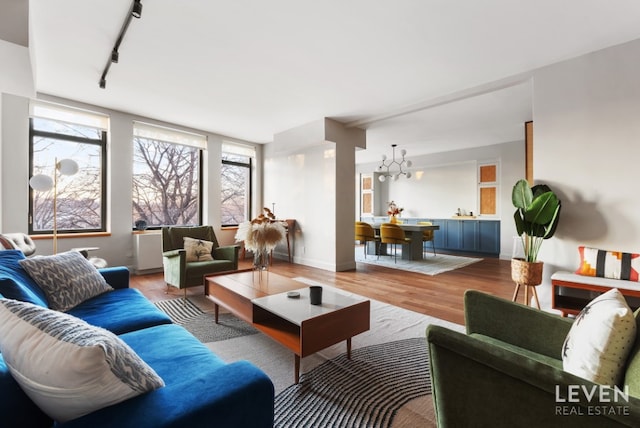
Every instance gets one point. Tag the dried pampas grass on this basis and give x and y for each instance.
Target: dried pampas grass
(261, 233)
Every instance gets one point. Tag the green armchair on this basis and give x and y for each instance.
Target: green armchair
(507, 372)
(180, 273)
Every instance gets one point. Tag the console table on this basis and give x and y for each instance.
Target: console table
(571, 292)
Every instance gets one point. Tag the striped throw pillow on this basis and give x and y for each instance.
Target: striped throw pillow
(608, 264)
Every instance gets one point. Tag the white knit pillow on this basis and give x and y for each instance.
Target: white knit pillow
(66, 366)
(600, 339)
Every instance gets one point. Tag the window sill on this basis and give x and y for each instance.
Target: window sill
(71, 235)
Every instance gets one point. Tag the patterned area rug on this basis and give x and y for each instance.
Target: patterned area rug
(366, 391)
(202, 324)
(430, 265)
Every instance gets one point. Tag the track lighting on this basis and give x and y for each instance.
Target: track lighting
(136, 11)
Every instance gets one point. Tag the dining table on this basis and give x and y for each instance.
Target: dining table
(411, 251)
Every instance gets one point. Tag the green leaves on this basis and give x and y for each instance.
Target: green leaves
(536, 216)
(521, 194)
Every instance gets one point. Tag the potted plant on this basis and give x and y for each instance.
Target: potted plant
(536, 219)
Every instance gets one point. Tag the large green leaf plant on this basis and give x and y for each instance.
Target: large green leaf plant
(536, 216)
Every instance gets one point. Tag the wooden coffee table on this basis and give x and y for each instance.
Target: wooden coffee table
(260, 298)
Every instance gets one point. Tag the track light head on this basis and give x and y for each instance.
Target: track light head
(114, 56)
(136, 11)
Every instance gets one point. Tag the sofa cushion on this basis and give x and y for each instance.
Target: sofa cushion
(201, 390)
(120, 311)
(68, 279)
(195, 271)
(16, 408)
(15, 282)
(198, 250)
(608, 264)
(66, 366)
(600, 339)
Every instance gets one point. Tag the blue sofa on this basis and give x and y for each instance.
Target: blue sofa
(200, 389)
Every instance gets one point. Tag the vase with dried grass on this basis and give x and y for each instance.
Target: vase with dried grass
(260, 236)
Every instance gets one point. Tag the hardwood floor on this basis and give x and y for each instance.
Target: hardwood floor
(440, 296)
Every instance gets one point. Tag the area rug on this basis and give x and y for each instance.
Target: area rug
(385, 384)
(389, 374)
(202, 324)
(430, 265)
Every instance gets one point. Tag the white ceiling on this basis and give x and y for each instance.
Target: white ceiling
(428, 75)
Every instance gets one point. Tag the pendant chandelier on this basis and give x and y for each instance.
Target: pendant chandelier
(386, 165)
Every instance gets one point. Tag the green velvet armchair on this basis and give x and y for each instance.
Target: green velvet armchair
(507, 372)
(180, 273)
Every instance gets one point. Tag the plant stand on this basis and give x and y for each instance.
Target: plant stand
(534, 293)
(529, 275)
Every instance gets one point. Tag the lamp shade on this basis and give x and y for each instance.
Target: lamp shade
(41, 182)
(67, 167)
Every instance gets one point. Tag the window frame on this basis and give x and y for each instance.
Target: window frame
(102, 143)
(249, 166)
(200, 151)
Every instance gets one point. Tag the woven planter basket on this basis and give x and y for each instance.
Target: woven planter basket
(526, 273)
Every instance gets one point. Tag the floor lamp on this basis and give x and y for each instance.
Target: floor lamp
(43, 183)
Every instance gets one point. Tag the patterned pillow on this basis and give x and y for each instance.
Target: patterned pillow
(198, 250)
(67, 279)
(66, 366)
(600, 339)
(608, 264)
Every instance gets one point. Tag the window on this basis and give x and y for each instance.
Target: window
(77, 203)
(167, 176)
(236, 184)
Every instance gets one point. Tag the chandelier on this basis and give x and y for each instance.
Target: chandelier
(385, 166)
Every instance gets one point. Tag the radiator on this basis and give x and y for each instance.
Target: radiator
(147, 251)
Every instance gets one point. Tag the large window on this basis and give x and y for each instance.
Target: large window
(236, 183)
(76, 202)
(167, 180)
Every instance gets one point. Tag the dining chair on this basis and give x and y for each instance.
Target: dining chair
(393, 234)
(427, 235)
(366, 233)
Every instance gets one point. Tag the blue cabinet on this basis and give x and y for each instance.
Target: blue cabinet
(453, 235)
(469, 233)
(489, 237)
(473, 236)
(479, 236)
(439, 235)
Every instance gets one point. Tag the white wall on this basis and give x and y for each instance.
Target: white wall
(308, 174)
(17, 72)
(302, 185)
(587, 148)
(444, 182)
(16, 78)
